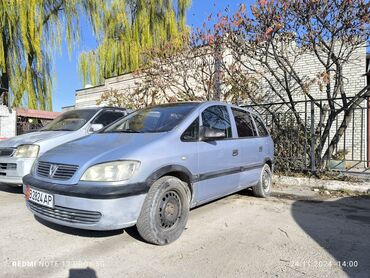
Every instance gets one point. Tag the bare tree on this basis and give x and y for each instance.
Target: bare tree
(194, 72)
(186, 74)
(270, 45)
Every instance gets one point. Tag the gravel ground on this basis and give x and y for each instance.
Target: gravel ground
(288, 235)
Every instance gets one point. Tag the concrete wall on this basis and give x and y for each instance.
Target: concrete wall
(8, 122)
(89, 96)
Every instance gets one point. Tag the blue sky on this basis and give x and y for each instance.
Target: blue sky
(67, 78)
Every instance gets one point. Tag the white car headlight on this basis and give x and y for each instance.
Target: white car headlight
(111, 171)
(27, 151)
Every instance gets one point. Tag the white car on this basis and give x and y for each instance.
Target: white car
(18, 154)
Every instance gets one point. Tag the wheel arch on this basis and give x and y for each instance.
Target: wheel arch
(269, 162)
(178, 171)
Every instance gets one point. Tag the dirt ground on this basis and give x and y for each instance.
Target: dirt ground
(293, 234)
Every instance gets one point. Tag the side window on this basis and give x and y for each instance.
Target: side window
(217, 117)
(107, 117)
(244, 123)
(192, 132)
(262, 131)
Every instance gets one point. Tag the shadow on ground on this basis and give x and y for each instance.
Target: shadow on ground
(78, 232)
(11, 189)
(341, 227)
(131, 231)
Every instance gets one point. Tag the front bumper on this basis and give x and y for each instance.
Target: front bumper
(13, 169)
(91, 208)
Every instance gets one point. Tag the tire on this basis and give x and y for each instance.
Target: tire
(165, 211)
(264, 187)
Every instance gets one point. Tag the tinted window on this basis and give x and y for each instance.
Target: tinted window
(107, 117)
(244, 123)
(262, 131)
(192, 132)
(217, 117)
(71, 120)
(161, 118)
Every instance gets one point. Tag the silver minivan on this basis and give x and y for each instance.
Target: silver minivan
(18, 154)
(150, 167)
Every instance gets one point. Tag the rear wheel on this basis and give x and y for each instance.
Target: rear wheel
(165, 211)
(264, 186)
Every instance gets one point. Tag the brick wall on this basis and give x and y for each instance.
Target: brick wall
(355, 139)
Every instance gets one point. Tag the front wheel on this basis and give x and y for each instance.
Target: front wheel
(165, 211)
(264, 186)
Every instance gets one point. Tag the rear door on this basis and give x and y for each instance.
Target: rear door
(249, 146)
(264, 141)
(218, 160)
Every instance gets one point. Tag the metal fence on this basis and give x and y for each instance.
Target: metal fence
(26, 125)
(298, 136)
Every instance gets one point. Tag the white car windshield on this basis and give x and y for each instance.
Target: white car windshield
(70, 121)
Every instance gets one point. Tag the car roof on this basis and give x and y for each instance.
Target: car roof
(212, 102)
(115, 108)
(98, 108)
(207, 103)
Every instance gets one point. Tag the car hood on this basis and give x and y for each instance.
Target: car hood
(31, 138)
(99, 147)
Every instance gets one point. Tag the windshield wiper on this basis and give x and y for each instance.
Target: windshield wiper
(124, 131)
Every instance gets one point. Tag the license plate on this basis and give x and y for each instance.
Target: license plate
(39, 197)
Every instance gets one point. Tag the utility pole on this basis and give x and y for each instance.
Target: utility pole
(218, 58)
(4, 98)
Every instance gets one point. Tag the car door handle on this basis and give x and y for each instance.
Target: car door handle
(260, 149)
(235, 152)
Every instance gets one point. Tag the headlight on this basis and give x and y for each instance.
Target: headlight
(111, 171)
(27, 151)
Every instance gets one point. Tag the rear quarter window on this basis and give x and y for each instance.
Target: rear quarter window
(262, 131)
(244, 123)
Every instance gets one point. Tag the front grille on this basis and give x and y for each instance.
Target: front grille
(67, 214)
(8, 166)
(61, 171)
(6, 151)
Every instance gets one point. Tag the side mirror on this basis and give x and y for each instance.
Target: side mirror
(95, 127)
(209, 134)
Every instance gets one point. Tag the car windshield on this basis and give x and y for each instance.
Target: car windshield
(70, 121)
(161, 118)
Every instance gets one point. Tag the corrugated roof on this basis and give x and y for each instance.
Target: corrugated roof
(39, 114)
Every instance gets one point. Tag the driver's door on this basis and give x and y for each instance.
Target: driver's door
(218, 160)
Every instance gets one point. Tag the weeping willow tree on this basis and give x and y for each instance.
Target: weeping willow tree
(30, 32)
(130, 28)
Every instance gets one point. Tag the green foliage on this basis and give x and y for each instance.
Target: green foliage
(130, 28)
(30, 31)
